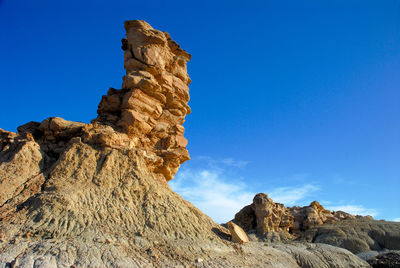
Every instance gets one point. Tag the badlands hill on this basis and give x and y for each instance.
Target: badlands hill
(96, 195)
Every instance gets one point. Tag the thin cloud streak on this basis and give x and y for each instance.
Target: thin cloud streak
(217, 163)
(290, 196)
(211, 194)
(214, 189)
(222, 198)
(355, 209)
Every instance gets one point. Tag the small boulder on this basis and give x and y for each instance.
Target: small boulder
(238, 234)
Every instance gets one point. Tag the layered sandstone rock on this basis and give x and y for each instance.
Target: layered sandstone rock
(237, 233)
(270, 216)
(315, 224)
(152, 104)
(315, 215)
(146, 114)
(264, 215)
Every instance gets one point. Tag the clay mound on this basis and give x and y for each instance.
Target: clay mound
(105, 198)
(357, 235)
(96, 195)
(97, 206)
(102, 187)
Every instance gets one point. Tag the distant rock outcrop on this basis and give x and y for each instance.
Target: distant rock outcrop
(315, 224)
(264, 215)
(96, 195)
(386, 260)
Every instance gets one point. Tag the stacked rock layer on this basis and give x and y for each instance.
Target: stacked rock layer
(152, 104)
(264, 216)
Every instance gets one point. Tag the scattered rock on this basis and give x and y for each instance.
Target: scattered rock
(357, 235)
(386, 260)
(265, 216)
(275, 222)
(237, 233)
(198, 260)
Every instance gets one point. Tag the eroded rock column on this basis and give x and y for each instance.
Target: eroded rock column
(270, 216)
(153, 102)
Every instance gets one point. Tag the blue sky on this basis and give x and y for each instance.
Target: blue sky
(298, 99)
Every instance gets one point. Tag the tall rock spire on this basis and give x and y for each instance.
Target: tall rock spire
(152, 104)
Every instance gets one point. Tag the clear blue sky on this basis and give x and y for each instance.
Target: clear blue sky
(288, 97)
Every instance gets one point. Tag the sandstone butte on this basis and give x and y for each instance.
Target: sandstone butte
(95, 194)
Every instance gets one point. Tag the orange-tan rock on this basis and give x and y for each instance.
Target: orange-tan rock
(264, 216)
(146, 114)
(271, 216)
(152, 104)
(237, 233)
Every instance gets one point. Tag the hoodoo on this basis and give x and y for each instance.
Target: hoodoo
(152, 104)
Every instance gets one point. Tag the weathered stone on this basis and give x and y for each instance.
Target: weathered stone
(265, 216)
(270, 216)
(31, 127)
(315, 224)
(357, 234)
(154, 96)
(237, 233)
(110, 103)
(390, 259)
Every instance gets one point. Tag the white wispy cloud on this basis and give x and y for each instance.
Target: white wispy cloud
(207, 190)
(291, 196)
(214, 188)
(221, 196)
(215, 163)
(396, 219)
(355, 209)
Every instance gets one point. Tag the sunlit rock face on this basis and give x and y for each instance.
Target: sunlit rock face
(152, 104)
(265, 216)
(271, 216)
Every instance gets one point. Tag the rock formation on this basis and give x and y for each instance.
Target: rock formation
(146, 114)
(152, 104)
(315, 224)
(270, 216)
(357, 235)
(237, 233)
(265, 216)
(387, 260)
(96, 195)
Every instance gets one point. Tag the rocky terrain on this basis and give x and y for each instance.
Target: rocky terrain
(390, 259)
(96, 194)
(313, 223)
(266, 216)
